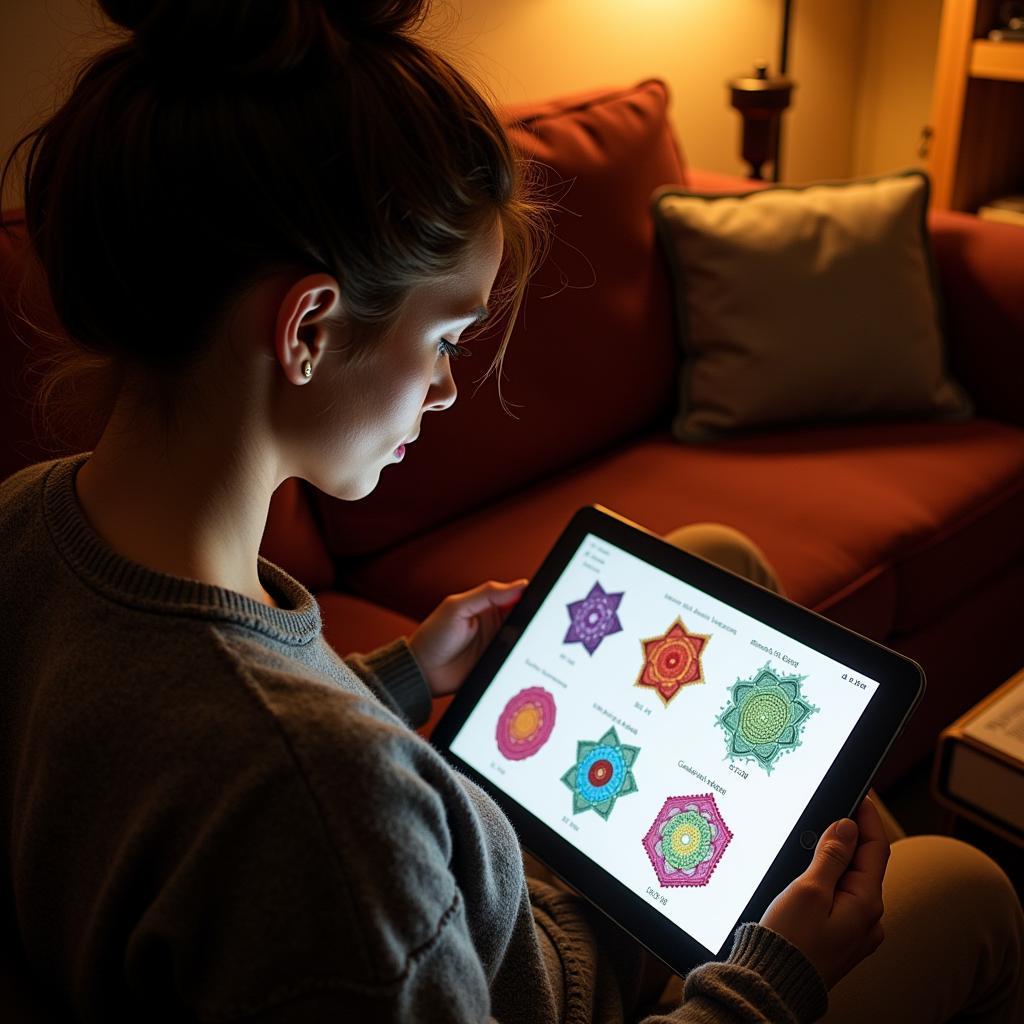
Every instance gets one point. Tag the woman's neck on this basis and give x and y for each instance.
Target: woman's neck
(192, 503)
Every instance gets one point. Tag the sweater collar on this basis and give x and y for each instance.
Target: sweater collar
(297, 621)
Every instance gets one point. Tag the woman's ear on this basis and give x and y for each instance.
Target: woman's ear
(300, 337)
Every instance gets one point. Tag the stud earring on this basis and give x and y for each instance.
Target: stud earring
(307, 369)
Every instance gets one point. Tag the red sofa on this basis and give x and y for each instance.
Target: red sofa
(909, 532)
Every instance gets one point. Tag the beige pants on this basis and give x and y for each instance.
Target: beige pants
(954, 930)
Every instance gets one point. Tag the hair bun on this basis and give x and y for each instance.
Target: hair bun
(379, 16)
(240, 38)
(128, 14)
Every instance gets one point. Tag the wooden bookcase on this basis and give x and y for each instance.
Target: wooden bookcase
(977, 150)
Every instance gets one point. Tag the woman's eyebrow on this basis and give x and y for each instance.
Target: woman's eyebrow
(475, 316)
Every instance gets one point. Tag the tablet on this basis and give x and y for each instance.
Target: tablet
(669, 738)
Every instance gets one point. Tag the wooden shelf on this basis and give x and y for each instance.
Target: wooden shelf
(977, 150)
(1001, 61)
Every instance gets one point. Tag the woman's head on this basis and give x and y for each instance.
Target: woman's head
(337, 418)
(228, 142)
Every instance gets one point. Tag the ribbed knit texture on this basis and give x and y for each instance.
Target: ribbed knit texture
(797, 986)
(395, 664)
(136, 586)
(206, 814)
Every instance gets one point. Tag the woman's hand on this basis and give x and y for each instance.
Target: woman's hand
(832, 913)
(449, 642)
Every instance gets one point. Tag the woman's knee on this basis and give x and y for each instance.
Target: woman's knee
(728, 548)
(960, 883)
(953, 931)
(952, 863)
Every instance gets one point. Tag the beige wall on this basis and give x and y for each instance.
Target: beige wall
(825, 55)
(41, 44)
(863, 67)
(530, 49)
(896, 84)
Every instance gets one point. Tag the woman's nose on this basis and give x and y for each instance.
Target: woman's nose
(443, 391)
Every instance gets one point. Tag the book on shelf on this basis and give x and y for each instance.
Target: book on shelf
(979, 766)
(999, 214)
(1008, 209)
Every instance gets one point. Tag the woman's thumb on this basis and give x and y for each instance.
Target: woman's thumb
(509, 593)
(834, 852)
(488, 595)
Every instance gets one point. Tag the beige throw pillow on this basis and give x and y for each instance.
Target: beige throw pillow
(805, 305)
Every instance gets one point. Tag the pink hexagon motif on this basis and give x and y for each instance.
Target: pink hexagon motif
(687, 840)
(526, 723)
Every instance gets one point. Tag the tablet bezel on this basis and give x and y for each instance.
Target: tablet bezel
(901, 685)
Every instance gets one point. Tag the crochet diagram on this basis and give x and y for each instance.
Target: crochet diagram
(672, 661)
(593, 618)
(687, 840)
(525, 723)
(765, 717)
(602, 774)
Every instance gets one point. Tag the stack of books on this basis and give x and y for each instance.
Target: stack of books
(979, 765)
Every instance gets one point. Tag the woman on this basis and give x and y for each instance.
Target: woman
(274, 224)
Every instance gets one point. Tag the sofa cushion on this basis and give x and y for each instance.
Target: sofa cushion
(805, 305)
(979, 265)
(966, 651)
(592, 359)
(353, 624)
(700, 180)
(878, 525)
(292, 539)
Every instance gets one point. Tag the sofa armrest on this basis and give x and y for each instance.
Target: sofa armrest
(981, 274)
(698, 180)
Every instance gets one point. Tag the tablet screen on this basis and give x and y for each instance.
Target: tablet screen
(669, 737)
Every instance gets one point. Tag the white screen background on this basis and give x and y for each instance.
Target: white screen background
(593, 692)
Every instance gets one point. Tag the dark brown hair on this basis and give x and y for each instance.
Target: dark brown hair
(226, 139)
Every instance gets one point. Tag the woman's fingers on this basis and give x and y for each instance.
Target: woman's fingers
(864, 879)
(488, 595)
(833, 911)
(833, 854)
(450, 640)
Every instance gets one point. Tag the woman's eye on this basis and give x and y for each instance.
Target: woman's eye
(453, 349)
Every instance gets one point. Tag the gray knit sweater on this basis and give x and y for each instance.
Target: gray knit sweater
(206, 814)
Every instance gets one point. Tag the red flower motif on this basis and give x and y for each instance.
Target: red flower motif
(672, 661)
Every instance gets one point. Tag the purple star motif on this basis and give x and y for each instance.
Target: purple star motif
(593, 618)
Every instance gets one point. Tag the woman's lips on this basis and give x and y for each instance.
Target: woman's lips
(400, 450)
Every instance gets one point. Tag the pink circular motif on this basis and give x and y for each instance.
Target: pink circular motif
(526, 723)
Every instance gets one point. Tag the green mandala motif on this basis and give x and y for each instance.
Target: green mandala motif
(603, 773)
(686, 840)
(765, 717)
